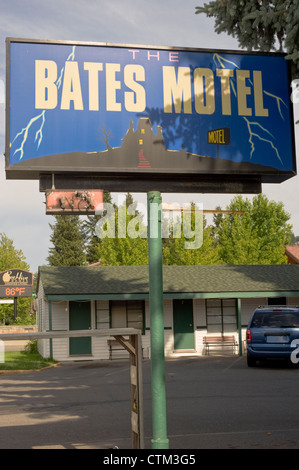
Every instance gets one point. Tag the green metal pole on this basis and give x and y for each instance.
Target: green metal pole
(159, 440)
(239, 315)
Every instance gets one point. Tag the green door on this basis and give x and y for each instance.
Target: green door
(80, 319)
(183, 324)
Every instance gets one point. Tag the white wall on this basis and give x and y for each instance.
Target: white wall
(100, 319)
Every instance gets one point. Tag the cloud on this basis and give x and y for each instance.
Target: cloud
(139, 21)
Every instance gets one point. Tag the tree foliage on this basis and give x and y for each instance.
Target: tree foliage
(194, 246)
(68, 242)
(258, 236)
(121, 236)
(10, 257)
(294, 239)
(89, 230)
(259, 24)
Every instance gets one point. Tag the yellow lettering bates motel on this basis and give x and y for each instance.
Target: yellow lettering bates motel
(184, 90)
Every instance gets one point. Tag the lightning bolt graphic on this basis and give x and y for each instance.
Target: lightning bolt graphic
(253, 134)
(70, 57)
(221, 61)
(24, 133)
(278, 101)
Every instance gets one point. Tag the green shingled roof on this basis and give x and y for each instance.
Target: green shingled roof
(99, 280)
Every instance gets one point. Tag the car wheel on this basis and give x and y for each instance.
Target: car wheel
(251, 362)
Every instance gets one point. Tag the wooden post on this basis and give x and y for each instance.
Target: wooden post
(133, 346)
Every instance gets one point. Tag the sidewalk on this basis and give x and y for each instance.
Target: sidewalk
(15, 345)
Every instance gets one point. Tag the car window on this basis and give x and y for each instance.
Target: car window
(275, 320)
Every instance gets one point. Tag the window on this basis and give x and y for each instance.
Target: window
(277, 301)
(275, 320)
(102, 314)
(127, 314)
(221, 315)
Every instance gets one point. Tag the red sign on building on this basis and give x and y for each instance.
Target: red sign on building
(74, 202)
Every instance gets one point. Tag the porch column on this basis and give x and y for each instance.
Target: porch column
(50, 328)
(239, 322)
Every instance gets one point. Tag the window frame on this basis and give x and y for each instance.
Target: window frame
(221, 312)
(127, 303)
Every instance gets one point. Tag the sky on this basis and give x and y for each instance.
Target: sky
(156, 23)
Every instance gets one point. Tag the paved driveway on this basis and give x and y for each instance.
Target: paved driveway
(212, 402)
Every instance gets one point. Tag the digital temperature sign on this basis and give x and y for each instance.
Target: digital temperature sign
(16, 283)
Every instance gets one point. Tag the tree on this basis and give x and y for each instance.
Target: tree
(258, 236)
(121, 236)
(294, 239)
(190, 242)
(89, 228)
(68, 242)
(10, 257)
(259, 24)
(175, 251)
(107, 135)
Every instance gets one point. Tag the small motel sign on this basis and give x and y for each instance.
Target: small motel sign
(219, 136)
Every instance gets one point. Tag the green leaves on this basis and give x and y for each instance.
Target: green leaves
(178, 247)
(121, 237)
(68, 242)
(258, 236)
(10, 257)
(259, 24)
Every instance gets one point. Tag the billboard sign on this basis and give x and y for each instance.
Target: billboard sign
(118, 109)
(16, 283)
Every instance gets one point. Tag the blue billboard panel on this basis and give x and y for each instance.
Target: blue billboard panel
(109, 109)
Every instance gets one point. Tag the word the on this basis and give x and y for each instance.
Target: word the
(173, 56)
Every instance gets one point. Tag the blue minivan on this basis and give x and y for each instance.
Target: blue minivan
(272, 333)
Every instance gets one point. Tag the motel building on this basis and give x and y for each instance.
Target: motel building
(199, 302)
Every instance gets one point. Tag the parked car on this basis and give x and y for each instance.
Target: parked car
(272, 332)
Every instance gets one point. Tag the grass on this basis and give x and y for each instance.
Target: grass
(24, 360)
